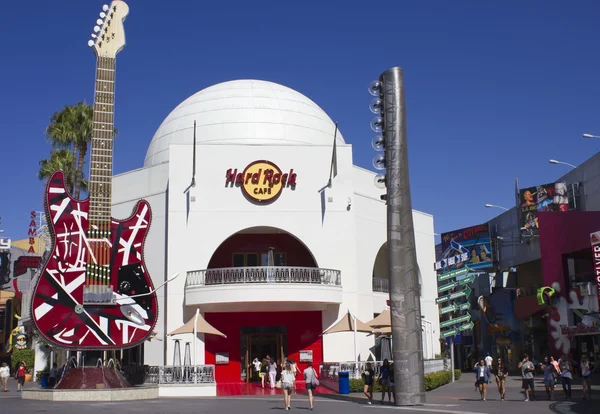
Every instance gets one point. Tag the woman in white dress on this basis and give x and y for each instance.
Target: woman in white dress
(4, 374)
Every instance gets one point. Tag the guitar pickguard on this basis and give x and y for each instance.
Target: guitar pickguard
(57, 305)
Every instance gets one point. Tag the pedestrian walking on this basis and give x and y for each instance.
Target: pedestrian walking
(368, 377)
(384, 380)
(586, 376)
(272, 373)
(295, 371)
(4, 374)
(549, 378)
(482, 377)
(287, 382)
(501, 372)
(20, 376)
(489, 360)
(392, 383)
(264, 367)
(312, 382)
(527, 370)
(52, 376)
(566, 375)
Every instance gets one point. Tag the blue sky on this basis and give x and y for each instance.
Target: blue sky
(493, 88)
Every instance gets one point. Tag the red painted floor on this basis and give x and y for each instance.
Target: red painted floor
(241, 388)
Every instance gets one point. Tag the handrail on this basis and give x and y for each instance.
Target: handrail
(169, 374)
(264, 274)
(381, 285)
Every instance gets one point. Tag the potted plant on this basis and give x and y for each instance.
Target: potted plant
(28, 357)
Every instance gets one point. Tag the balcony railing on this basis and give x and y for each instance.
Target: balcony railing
(381, 285)
(264, 274)
(200, 374)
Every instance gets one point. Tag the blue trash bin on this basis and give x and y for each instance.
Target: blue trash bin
(344, 382)
(45, 378)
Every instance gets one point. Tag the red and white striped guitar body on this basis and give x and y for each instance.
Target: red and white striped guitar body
(58, 295)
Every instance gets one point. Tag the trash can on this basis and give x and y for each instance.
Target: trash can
(45, 378)
(344, 382)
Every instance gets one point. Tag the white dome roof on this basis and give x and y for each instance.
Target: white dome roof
(243, 112)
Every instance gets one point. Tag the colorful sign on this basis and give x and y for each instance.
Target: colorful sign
(448, 309)
(595, 240)
(26, 262)
(453, 274)
(261, 181)
(472, 245)
(460, 319)
(466, 326)
(580, 329)
(451, 332)
(546, 197)
(448, 286)
(32, 232)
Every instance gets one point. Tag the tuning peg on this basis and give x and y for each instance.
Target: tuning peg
(94, 36)
(96, 29)
(105, 7)
(102, 15)
(99, 22)
(91, 43)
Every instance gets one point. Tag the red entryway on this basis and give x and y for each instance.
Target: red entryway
(254, 334)
(230, 390)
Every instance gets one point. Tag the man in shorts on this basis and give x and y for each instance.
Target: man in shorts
(527, 370)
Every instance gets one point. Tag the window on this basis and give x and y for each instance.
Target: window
(257, 259)
(279, 259)
(252, 259)
(238, 260)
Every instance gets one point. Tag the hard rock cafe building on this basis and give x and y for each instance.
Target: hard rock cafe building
(274, 232)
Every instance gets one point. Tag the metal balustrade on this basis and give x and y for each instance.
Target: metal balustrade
(264, 274)
(330, 370)
(381, 285)
(198, 374)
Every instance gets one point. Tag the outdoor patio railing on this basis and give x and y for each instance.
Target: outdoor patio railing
(199, 374)
(330, 370)
(381, 285)
(264, 274)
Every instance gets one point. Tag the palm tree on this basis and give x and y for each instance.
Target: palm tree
(61, 159)
(71, 129)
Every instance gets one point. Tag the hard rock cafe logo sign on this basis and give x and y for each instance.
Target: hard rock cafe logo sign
(261, 181)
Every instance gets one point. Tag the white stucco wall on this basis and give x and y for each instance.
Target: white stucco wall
(187, 229)
(150, 184)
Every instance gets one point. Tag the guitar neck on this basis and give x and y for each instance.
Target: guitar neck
(101, 162)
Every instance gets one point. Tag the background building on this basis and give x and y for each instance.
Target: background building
(544, 241)
(271, 261)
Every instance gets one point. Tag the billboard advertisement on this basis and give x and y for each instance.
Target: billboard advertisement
(546, 197)
(470, 247)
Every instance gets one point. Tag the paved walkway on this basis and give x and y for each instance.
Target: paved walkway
(457, 398)
(462, 397)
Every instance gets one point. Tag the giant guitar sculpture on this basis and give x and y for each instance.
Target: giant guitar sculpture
(94, 291)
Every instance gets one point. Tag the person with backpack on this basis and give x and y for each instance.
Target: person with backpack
(312, 381)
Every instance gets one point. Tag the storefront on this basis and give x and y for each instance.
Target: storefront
(274, 233)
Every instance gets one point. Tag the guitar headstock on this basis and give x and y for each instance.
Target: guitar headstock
(109, 33)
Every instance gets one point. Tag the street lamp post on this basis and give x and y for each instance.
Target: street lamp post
(495, 206)
(560, 162)
(405, 295)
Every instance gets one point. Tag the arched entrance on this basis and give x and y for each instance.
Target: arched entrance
(381, 274)
(250, 247)
(272, 306)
